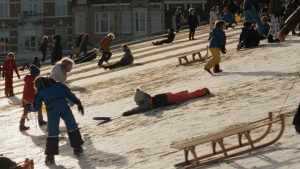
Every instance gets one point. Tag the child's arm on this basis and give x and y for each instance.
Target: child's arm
(71, 96)
(37, 104)
(16, 69)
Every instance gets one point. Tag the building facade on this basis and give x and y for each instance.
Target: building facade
(23, 23)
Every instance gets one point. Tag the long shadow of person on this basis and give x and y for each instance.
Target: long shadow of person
(91, 157)
(260, 73)
(14, 100)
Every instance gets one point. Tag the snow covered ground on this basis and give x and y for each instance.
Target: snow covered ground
(254, 82)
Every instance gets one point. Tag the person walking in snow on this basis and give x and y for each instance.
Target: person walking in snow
(216, 45)
(54, 95)
(57, 50)
(104, 48)
(44, 47)
(28, 97)
(147, 102)
(178, 18)
(8, 68)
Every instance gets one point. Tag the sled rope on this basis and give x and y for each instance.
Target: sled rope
(293, 84)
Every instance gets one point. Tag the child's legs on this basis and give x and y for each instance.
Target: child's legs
(8, 85)
(69, 120)
(215, 58)
(73, 131)
(177, 97)
(25, 113)
(53, 132)
(108, 56)
(198, 93)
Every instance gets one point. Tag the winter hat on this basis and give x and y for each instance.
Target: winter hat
(139, 95)
(34, 70)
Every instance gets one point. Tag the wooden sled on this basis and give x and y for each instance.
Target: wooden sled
(228, 152)
(194, 59)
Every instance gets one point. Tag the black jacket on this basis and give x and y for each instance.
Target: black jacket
(192, 21)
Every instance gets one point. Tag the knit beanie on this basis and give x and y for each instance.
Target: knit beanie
(139, 95)
(34, 70)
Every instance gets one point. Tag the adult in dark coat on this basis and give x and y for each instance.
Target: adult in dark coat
(178, 15)
(252, 13)
(57, 50)
(193, 23)
(44, 47)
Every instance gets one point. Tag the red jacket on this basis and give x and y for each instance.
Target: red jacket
(29, 91)
(8, 67)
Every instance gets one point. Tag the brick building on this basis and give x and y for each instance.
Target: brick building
(23, 23)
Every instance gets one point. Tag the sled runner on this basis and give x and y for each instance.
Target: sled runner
(241, 147)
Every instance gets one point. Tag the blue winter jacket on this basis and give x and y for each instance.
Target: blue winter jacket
(218, 39)
(54, 96)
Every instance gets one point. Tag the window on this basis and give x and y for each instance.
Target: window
(4, 41)
(64, 37)
(31, 7)
(4, 9)
(81, 1)
(61, 7)
(156, 21)
(80, 22)
(126, 21)
(103, 23)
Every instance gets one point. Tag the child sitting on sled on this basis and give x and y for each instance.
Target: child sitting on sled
(145, 102)
(170, 37)
(54, 95)
(28, 97)
(127, 59)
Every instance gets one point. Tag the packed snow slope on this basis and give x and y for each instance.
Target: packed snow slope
(253, 83)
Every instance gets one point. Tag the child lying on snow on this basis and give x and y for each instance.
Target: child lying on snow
(146, 102)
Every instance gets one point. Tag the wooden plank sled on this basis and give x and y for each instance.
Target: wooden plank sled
(194, 59)
(239, 130)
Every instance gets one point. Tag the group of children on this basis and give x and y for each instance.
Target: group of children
(56, 96)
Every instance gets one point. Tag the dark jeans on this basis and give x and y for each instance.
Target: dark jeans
(44, 56)
(105, 57)
(118, 64)
(178, 25)
(192, 33)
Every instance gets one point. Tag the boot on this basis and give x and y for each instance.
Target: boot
(78, 151)
(42, 123)
(217, 69)
(22, 126)
(271, 39)
(49, 160)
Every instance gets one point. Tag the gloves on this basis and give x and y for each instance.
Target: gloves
(79, 106)
(80, 109)
(223, 50)
(29, 107)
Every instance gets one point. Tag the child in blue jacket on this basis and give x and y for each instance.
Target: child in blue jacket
(217, 44)
(54, 95)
